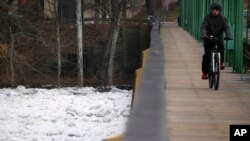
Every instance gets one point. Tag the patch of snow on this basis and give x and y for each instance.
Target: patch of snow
(66, 114)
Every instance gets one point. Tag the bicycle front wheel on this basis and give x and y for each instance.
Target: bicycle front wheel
(216, 72)
(210, 79)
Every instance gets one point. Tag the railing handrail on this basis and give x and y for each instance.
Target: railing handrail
(147, 121)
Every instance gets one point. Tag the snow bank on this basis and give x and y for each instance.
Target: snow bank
(66, 114)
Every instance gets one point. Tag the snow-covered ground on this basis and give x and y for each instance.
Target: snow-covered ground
(66, 114)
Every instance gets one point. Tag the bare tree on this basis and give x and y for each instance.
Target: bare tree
(53, 10)
(11, 57)
(109, 55)
(58, 38)
(79, 41)
(6, 27)
(59, 58)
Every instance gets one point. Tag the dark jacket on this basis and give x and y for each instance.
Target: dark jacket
(215, 25)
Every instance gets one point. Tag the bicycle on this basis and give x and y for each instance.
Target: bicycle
(214, 73)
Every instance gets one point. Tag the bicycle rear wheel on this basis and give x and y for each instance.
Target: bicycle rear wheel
(217, 72)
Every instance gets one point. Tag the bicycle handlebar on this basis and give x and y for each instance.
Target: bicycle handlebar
(219, 38)
(214, 38)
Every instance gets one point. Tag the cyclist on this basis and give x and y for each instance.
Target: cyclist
(214, 24)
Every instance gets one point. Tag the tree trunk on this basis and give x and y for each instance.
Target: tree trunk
(112, 51)
(59, 66)
(124, 46)
(106, 76)
(150, 7)
(11, 58)
(79, 42)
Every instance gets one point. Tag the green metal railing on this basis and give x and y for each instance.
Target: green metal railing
(192, 14)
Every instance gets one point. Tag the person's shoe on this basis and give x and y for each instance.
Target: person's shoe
(204, 76)
(222, 67)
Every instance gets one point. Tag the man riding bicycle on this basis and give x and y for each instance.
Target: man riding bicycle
(214, 24)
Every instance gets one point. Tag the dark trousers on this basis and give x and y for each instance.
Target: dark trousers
(208, 45)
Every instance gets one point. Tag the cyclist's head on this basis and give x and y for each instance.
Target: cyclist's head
(215, 8)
